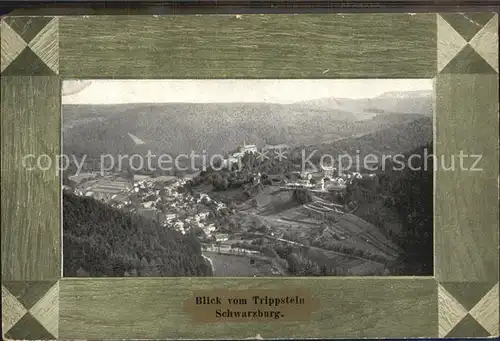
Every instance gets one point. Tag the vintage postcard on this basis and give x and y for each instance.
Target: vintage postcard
(247, 177)
(250, 176)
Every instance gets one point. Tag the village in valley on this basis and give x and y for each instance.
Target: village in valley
(248, 220)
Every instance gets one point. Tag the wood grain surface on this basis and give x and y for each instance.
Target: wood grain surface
(31, 210)
(149, 308)
(466, 200)
(395, 45)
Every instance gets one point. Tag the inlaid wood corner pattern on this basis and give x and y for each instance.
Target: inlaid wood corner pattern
(30, 310)
(468, 310)
(30, 46)
(467, 43)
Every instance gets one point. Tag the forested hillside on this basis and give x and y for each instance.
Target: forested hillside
(404, 210)
(391, 141)
(102, 241)
(215, 127)
(184, 127)
(412, 193)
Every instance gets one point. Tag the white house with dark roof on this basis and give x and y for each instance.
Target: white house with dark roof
(248, 148)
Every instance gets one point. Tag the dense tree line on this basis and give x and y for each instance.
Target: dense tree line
(102, 241)
(411, 191)
(406, 196)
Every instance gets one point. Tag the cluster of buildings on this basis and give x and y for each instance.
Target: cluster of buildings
(252, 148)
(345, 177)
(104, 188)
(157, 198)
(328, 180)
(238, 155)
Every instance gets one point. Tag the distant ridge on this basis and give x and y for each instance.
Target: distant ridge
(405, 94)
(393, 102)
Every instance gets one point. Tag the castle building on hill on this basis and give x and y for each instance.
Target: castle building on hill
(248, 148)
(237, 156)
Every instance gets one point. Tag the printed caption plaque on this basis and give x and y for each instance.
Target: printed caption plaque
(255, 305)
(236, 176)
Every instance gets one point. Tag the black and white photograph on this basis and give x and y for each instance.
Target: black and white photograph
(247, 178)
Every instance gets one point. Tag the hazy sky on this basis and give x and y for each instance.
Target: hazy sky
(230, 90)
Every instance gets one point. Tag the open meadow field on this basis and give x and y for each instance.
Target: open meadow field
(226, 265)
